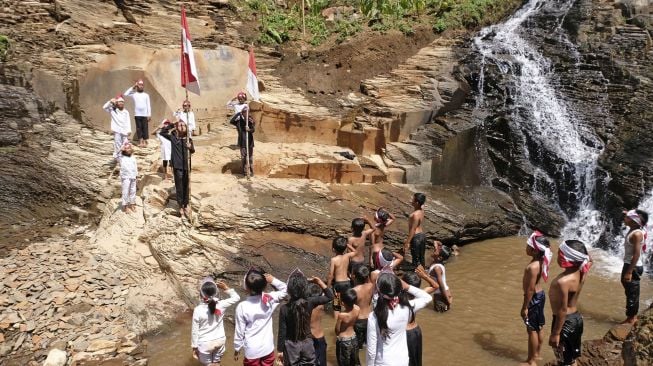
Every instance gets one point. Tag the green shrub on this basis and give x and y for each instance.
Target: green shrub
(277, 27)
(4, 48)
(346, 29)
(316, 25)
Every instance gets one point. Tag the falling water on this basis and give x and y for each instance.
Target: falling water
(546, 121)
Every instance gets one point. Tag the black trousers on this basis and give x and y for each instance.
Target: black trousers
(347, 352)
(414, 340)
(299, 353)
(418, 249)
(632, 290)
(320, 346)
(181, 187)
(141, 128)
(243, 158)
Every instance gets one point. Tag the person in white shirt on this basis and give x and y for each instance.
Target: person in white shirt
(128, 174)
(386, 326)
(245, 126)
(207, 335)
(442, 298)
(142, 110)
(254, 334)
(120, 123)
(166, 148)
(187, 116)
(633, 269)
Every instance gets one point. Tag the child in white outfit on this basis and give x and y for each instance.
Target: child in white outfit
(253, 332)
(208, 337)
(128, 174)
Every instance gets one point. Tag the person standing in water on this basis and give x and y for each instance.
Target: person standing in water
(416, 238)
(383, 219)
(142, 111)
(317, 332)
(208, 338)
(386, 328)
(532, 311)
(364, 291)
(567, 325)
(633, 266)
(356, 242)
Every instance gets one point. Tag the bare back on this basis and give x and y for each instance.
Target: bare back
(565, 291)
(416, 219)
(364, 293)
(316, 322)
(340, 264)
(358, 243)
(345, 322)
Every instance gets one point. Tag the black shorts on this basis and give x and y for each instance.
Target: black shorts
(339, 287)
(569, 348)
(414, 340)
(535, 319)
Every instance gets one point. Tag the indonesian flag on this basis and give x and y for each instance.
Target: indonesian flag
(252, 81)
(189, 76)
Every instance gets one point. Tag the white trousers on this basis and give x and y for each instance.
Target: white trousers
(128, 191)
(118, 140)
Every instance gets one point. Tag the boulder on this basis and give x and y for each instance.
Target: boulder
(56, 357)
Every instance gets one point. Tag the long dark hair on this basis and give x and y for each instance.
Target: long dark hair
(209, 290)
(389, 287)
(298, 306)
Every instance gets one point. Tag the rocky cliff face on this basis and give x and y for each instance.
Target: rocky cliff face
(595, 58)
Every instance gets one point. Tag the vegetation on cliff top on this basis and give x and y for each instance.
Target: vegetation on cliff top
(339, 20)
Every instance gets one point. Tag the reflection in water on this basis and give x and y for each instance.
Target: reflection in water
(488, 341)
(482, 328)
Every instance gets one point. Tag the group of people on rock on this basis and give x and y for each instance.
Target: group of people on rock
(374, 308)
(176, 144)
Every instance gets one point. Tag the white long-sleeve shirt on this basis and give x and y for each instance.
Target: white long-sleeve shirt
(254, 322)
(190, 120)
(208, 327)
(128, 166)
(393, 351)
(120, 122)
(236, 106)
(141, 102)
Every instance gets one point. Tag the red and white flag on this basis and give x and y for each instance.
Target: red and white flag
(252, 81)
(189, 76)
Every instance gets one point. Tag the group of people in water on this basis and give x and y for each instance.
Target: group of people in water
(175, 140)
(374, 306)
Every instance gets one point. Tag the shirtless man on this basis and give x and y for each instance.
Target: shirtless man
(346, 343)
(532, 311)
(338, 276)
(364, 291)
(416, 238)
(356, 242)
(383, 219)
(567, 325)
(319, 341)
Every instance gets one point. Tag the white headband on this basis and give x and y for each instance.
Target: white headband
(546, 259)
(633, 215)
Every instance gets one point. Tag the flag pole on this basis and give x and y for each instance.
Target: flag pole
(187, 139)
(247, 167)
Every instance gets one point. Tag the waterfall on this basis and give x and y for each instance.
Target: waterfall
(564, 155)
